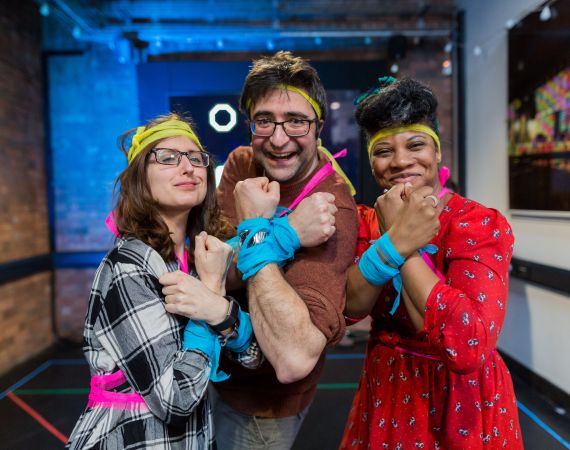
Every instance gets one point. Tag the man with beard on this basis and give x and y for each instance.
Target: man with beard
(296, 310)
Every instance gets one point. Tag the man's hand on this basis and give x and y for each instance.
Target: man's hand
(212, 258)
(256, 197)
(314, 219)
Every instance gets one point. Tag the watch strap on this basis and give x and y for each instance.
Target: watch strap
(231, 317)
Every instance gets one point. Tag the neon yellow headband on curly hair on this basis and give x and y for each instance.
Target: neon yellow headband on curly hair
(144, 137)
(301, 92)
(413, 127)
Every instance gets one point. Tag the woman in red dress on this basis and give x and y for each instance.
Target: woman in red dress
(432, 377)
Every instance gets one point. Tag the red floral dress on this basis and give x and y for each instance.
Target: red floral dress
(445, 387)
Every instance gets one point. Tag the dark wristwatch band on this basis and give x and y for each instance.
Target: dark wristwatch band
(231, 320)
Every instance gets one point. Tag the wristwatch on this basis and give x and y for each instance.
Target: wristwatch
(231, 320)
(257, 238)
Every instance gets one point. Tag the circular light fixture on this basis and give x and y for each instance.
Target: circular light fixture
(213, 120)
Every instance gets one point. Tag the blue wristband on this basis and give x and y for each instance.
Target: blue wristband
(198, 336)
(278, 246)
(244, 334)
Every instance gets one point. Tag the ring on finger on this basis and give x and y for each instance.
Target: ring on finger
(434, 199)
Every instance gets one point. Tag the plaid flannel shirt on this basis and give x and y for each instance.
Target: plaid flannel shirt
(128, 328)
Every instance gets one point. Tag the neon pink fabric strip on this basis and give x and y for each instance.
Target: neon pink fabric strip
(101, 395)
(184, 261)
(110, 223)
(420, 355)
(323, 172)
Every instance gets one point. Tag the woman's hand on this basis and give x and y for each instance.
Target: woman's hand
(212, 259)
(188, 296)
(416, 222)
(388, 205)
(314, 219)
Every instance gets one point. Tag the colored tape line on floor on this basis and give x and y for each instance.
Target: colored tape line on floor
(37, 417)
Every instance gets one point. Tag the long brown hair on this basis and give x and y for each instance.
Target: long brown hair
(137, 213)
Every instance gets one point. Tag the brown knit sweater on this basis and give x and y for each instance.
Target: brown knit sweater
(317, 274)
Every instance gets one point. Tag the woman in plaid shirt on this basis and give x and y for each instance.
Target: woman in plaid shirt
(150, 369)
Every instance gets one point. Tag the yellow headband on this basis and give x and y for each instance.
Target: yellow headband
(302, 93)
(413, 127)
(170, 128)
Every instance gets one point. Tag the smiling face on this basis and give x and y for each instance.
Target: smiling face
(406, 157)
(177, 188)
(285, 159)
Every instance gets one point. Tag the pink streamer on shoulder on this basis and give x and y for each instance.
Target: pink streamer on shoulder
(323, 172)
(111, 224)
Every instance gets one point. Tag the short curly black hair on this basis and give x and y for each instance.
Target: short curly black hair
(402, 102)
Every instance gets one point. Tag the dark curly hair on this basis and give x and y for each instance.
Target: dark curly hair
(401, 102)
(281, 68)
(137, 213)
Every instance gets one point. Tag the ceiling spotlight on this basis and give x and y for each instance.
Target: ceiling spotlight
(446, 68)
(545, 14)
(220, 43)
(335, 105)
(76, 32)
(270, 45)
(158, 43)
(44, 9)
(448, 47)
(477, 50)
(367, 40)
(318, 40)
(394, 68)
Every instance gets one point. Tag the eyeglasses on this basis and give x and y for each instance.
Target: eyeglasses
(171, 157)
(293, 127)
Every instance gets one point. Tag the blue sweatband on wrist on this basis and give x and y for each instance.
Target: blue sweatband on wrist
(428, 248)
(278, 247)
(377, 272)
(253, 224)
(244, 334)
(198, 336)
(285, 237)
(393, 258)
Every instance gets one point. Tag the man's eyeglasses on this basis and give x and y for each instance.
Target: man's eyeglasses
(171, 157)
(293, 127)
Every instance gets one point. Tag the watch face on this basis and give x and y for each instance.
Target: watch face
(259, 237)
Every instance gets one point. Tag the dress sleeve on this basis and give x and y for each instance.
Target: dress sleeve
(145, 342)
(464, 316)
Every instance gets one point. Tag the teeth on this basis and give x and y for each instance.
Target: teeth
(281, 156)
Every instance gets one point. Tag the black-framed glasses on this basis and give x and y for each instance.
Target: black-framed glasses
(294, 127)
(171, 157)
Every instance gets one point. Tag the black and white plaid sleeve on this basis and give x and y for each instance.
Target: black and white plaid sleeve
(145, 340)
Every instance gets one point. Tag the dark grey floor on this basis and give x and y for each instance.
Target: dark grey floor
(55, 387)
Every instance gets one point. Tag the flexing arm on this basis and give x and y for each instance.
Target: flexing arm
(282, 316)
(411, 222)
(283, 325)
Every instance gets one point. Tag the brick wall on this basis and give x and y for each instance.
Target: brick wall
(25, 304)
(72, 287)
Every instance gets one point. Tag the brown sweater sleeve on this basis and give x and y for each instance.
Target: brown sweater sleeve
(319, 274)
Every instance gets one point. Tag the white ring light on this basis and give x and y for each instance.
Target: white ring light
(212, 119)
